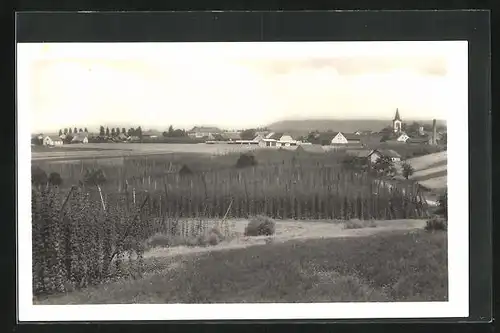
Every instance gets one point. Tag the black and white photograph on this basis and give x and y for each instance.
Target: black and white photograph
(234, 180)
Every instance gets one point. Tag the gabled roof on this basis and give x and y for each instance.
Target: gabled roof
(311, 148)
(358, 152)
(386, 152)
(351, 136)
(275, 136)
(54, 137)
(80, 136)
(205, 129)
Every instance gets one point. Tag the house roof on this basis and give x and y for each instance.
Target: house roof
(80, 136)
(351, 137)
(205, 129)
(218, 137)
(418, 140)
(311, 148)
(386, 152)
(275, 136)
(358, 152)
(54, 137)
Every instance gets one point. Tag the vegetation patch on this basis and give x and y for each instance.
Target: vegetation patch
(359, 224)
(436, 224)
(260, 226)
(395, 266)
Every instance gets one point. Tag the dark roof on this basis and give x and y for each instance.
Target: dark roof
(311, 148)
(358, 152)
(387, 152)
(418, 140)
(276, 136)
(351, 137)
(397, 117)
(218, 137)
(54, 137)
(205, 129)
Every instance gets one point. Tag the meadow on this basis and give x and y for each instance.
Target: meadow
(98, 232)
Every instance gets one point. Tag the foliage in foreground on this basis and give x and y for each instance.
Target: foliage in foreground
(260, 226)
(359, 224)
(410, 266)
(436, 224)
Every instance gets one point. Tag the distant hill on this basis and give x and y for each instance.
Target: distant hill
(344, 125)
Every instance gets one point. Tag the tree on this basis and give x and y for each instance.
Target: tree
(443, 205)
(185, 171)
(75, 130)
(248, 134)
(138, 132)
(117, 131)
(170, 130)
(178, 133)
(70, 131)
(413, 129)
(68, 138)
(86, 130)
(60, 132)
(408, 170)
(113, 133)
(165, 134)
(107, 131)
(124, 130)
(384, 166)
(246, 160)
(80, 130)
(55, 179)
(65, 131)
(102, 131)
(38, 176)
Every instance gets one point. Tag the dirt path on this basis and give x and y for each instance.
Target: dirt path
(289, 230)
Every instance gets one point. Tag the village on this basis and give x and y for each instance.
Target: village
(392, 141)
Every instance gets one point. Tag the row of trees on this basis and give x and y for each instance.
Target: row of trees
(105, 131)
(70, 130)
(383, 166)
(174, 133)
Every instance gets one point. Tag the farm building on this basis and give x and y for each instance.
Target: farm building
(378, 153)
(203, 132)
(133, 138)
(80, 138)
(310, 149)
(54, 140)
(345, 138)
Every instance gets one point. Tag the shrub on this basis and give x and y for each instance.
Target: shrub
(359, 224)
(55, 179)
(260, 226)
(443, 205)
(185, 171)
(159, 240)
(408, 170)
(38, 176)
(436, 224)
(246, 160)
(213, 239)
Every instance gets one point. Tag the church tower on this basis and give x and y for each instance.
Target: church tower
(397, 123)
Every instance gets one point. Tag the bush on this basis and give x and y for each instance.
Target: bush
(436, 224)
(260, 226)
(246, 160)
(443, 205)
(359, 224)
(55, 179)
(185, 171)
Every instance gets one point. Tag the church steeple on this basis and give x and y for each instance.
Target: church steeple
(397, 122)
(397, 117)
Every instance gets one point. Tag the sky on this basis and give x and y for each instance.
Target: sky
(235, 85)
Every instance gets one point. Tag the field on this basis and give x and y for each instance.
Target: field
(431, 170)
(102, 234)
(387, 266)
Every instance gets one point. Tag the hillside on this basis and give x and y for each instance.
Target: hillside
(344, 125)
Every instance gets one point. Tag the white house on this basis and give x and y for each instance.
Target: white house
(52, 141)
(345, 138)
(403, 137)
(81, 137)
(198, 132)
(286, 141)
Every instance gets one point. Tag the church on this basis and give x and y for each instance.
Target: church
(397, 123)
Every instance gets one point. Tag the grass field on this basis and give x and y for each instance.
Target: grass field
(388, 266)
